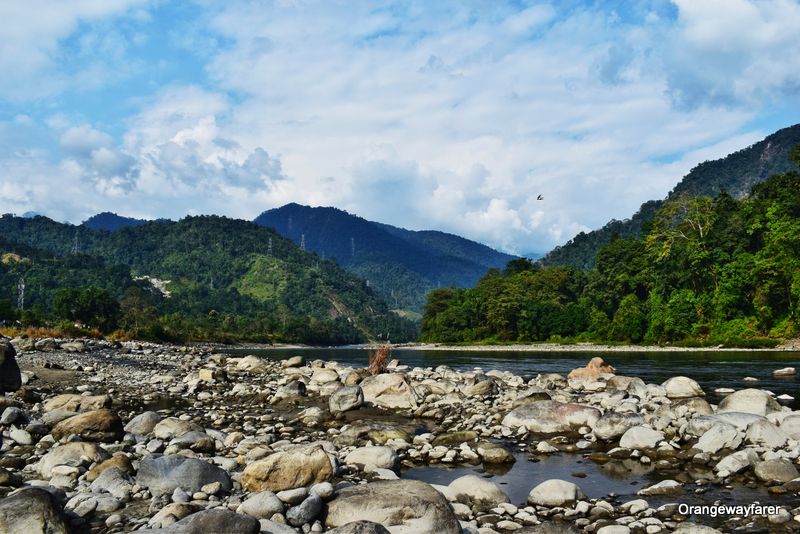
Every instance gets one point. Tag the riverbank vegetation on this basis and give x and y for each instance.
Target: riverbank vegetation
(707, 271)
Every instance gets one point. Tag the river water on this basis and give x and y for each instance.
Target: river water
(722, 369)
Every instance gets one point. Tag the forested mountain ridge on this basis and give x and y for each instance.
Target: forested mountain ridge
(199, 278)
(708, 270)
(735, 174)
(402, 265)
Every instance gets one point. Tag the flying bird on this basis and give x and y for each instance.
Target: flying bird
(540, 197)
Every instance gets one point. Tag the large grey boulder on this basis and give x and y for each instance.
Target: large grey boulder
(389, 390)
(682, 387)
(261, 505)
(72, 402)
(143, 424)
(74, 454)
(754, 401)
(345, 399)
(31, 511)
(765, 434)
(10, 377)
(614, 424)
(381, 457)
(555, 492)
(402, 506)
(213, 520)
(481, 493)
(162, 475)
(719, 436)
(779, 469)
(549, 417)
(641, 437)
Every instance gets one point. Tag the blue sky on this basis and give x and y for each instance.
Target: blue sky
(429, 115)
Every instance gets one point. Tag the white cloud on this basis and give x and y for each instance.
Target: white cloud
(31, 35)
(425, 115)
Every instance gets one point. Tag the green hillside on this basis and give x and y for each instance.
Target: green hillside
(708, 270)
(735, 174)
(401, 265)
(200, 278)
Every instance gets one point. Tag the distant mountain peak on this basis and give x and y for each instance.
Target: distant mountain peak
(111, 222)
(402, 265)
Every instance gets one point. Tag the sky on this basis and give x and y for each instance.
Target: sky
(441, 115)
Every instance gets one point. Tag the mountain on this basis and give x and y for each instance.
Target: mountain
(204, 278)
(736, 174)
(402, 265)
(111, 222)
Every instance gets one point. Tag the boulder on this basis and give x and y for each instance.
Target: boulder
(293, 468)
(482, 493)
(71, 402)
(114, 481)
(682, 387)
(10, 377)
(720, 436)
(47, 344)
(663, 488)
(214, 520)
(553, 526)
(293, 390)
(596, 368)
(493, 453)
(402, 506)
(74, 454)
(612, 425)
(754, 401)
(555, 492)
(790, 425)
(143, 424)
(736, 462)
(252, 364)
(779, 469)
(360, 527)
(765, 434)
(30, 511)
(786, 371)
(305, 512)
(262, 505)
(163, 474)
(345, 399)
(381, 457)
(119, 460)
(389, 390)
(97, 425)
(641, 437)
(172, 427)
(323, 375)
(548, 417)
(293, 361)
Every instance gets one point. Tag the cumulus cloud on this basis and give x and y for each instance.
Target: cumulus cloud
(420, 114)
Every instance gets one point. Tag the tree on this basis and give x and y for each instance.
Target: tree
(629, 321)
(92, 306)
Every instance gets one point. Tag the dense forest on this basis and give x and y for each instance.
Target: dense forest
(705, 271)
(735, 174)
(401, 265)
(202, 278)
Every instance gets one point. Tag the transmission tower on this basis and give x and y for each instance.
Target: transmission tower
(352, 247)
(269, 247)
(303, 241)
(21, 293)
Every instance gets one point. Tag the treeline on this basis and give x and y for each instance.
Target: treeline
(202, 278)
(706, 271)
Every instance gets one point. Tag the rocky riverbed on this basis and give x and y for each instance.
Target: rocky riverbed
(107, 437)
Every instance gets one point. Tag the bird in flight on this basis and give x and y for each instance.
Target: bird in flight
(540, 197)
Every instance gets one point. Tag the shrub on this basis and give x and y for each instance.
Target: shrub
(379, 360)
